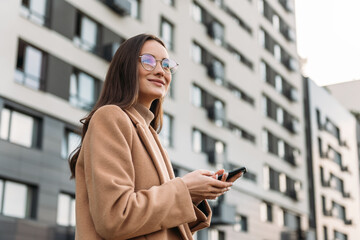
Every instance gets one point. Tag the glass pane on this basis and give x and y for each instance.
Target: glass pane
(166, 30)
(262, 38)
(33, 62)
(88, 33)
(279, 115)
(1, 194)
(196, 13)
(72, 213)
(21, 130)
(263, 212)
(196, 96)
(197, 141)
(196, 53)
(86, 89)
(263, 71)
(19, 76)
(276, 22)
(134, 10)
(277, 52)
(73, 142)
(278, 83)
(32, 82)
(38, 11)
(261, 6)
(15, 199)
(63, 210)
(265, 142)
(38, 6)
(219, 147)
(5, 124)
(165, 134)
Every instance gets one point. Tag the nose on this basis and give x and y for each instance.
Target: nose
(158, 68)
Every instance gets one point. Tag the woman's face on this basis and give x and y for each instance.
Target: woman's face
(153, 84)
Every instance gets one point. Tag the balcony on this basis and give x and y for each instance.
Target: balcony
(223, 214)
(122, 7)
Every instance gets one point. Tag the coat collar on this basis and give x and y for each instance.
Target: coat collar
(141, 126)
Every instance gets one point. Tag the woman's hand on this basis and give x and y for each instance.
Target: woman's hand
(203, 185)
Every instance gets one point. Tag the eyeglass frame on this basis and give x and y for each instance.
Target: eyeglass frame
(159, 60)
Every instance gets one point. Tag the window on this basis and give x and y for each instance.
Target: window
(167, 33)
(262, 39)
(215, 234)
(83, 90)
(277, 52)
(280, 115)
(338, 211)
(166, 132)
(86, 35)
(336, 183)
(71, 141)
(263, 74)
(35, 10)
(135, 9)
(266, 214)
(196, 96)
(265, 140)
(261, 6)
(197, 13)
(325, 233)
(169, 2)
(339, 236)
(196, 53)
(241, 223)
(20, 128)
(276, 22)
(66, 210)
(16, 199)
(278, 84)
(197, 141)
(320, 147)
(30, 66)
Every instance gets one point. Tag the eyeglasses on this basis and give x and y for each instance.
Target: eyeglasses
(148, 62)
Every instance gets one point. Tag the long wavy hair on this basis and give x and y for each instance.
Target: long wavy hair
(121, 87)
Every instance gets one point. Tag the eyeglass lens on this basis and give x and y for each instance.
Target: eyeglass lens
(149, 63)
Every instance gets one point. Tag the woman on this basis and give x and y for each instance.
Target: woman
(125, 185)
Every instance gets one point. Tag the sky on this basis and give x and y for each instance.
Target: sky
(328, 38)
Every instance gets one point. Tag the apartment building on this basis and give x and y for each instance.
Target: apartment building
(333, 165)
(236, 100)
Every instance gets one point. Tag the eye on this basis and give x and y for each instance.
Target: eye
(166, 64)
(148, 61)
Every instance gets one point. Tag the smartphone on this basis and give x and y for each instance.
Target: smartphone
(234, 172)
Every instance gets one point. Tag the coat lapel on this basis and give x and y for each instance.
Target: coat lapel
(140, 127)
(164, 176)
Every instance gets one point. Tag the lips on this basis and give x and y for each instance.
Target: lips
(157, 81)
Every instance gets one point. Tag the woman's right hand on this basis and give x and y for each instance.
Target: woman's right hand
(202, 185)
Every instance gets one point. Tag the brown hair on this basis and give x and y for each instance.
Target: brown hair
(121, 87)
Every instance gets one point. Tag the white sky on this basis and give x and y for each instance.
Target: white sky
(328, 36)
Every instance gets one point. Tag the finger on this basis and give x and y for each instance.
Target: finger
(220, 184)
(220, 171)
(206, 172)
(224, 177)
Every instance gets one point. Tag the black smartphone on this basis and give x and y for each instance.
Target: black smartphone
(234, 172)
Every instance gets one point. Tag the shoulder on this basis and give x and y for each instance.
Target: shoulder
(111, 115)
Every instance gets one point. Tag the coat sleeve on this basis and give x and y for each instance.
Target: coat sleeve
(116, 209)
(203, 217)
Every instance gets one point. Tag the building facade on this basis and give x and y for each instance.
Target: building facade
(236, 100)
(333, 164)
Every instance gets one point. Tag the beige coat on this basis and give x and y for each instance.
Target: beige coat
(125, 186)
